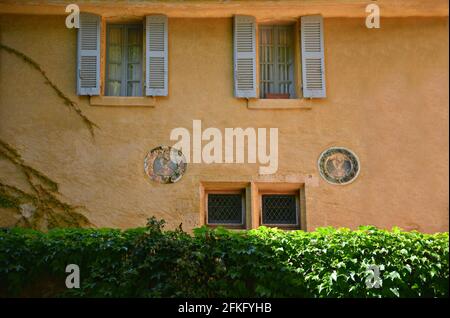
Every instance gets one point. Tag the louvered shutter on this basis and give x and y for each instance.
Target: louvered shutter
(313, 66)
(244, 57)
(88, 55)
(156, 83)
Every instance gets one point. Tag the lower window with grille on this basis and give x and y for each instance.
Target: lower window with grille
(226, 209)
(280, 210)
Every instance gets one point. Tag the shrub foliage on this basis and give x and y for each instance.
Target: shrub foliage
(150, 262)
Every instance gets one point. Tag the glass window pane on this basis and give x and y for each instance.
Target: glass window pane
(114, 57)
(134, 89)
(276, 73)
(225, 209)
(134, 72)
(115, 72)
(115, 54)
(115, 36)
(134, 36)
(134, 67)
(266, 59)
(124, 60)
(113, 88)
(279, 209)
(134, 54)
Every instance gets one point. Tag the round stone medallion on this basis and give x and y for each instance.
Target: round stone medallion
(165, 164)
(338, 165)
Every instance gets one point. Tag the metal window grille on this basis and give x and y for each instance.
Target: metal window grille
(276, 60)
(280, 209)
(226, 209)
(124, 60)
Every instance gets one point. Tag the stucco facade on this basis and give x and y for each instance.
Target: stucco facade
(387, 100)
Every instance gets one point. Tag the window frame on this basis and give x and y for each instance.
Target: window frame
(275, 29)
(124, 26)
(297, 225)
(241, 225)
(297, 62)
(252, 191)
(297, 188)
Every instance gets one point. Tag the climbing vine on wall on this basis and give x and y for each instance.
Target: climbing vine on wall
(67, 101)
(40, 207)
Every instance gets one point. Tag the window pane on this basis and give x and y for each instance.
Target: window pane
(266, 60)
(134, 54)
(279, 209)
(114, 57)
(134, 89)
(225, 209)
(134, 72)
(276, 61)
(134, 36)
(124, 60)
(113, 88)
(115, 35)
(115, 72)
(115, 54)
(134, 45)
(134, 68)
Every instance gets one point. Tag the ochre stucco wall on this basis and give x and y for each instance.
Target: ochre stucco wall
(387, 101)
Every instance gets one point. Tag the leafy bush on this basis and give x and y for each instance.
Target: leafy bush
(150, 262)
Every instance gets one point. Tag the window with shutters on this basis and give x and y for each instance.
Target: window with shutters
(276, 61)
(282, 60)
(226, 208)
(280, 210)
(124, 60)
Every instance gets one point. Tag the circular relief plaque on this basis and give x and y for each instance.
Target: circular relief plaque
(165, 164)
(338, 165)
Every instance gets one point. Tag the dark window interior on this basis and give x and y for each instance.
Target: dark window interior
(226, 209)
(280, 209)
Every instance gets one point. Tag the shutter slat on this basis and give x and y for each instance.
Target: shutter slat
(244, 57)
(313, 66)
(156, 56)
(88, 55)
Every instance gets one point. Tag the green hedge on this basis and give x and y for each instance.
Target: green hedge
(150, 262)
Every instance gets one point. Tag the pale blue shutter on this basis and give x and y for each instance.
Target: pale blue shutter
(244, 56)
(313, 65)
(156, 57)
(88, 55)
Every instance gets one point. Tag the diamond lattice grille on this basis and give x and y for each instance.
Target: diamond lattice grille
(279, 209)
(225, 209)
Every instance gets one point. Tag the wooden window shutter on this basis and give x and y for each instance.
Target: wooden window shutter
(156, 58)
(313, 66)
(244, 57)
(88, 55)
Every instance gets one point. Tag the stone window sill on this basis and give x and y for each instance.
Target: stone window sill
(123, 101)
(279, 103)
